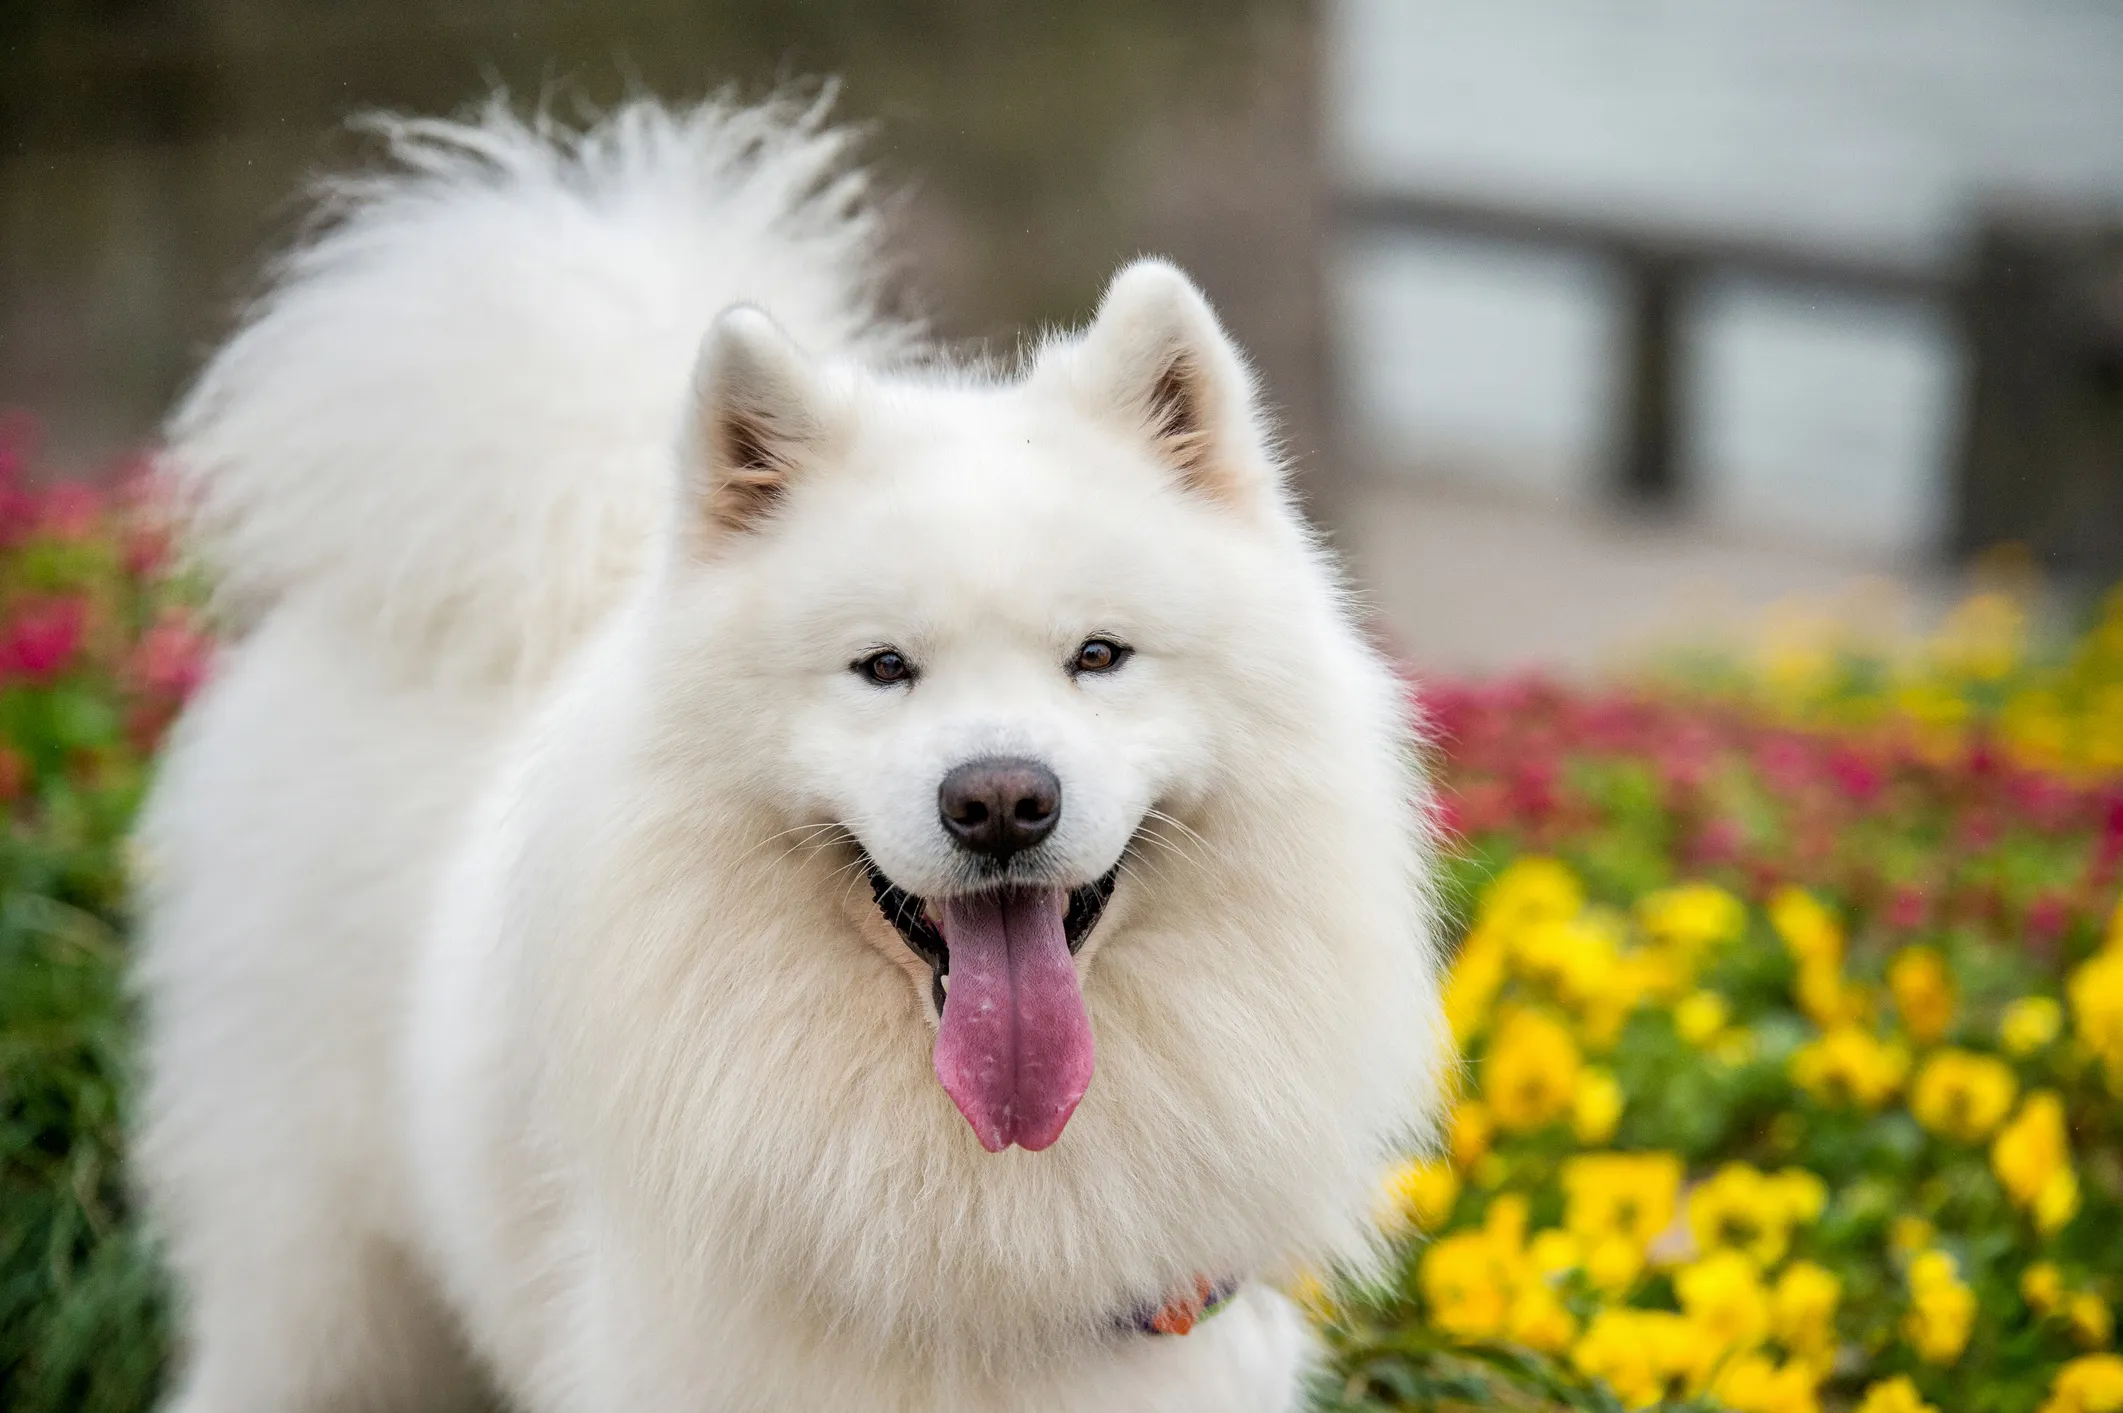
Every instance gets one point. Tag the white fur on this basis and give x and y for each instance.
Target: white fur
(519, 1017)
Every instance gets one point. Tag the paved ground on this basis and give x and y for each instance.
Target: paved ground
(1464, 580)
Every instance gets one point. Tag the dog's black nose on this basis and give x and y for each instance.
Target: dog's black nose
(999, 807)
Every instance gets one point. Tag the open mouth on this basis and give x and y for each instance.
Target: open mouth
(1013, 1036)
(919, 922)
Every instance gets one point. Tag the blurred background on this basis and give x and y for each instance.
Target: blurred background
(1591, 324)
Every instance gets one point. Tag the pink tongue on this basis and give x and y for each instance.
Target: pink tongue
(1014, 1051)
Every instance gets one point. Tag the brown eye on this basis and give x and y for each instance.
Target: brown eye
(886, 667)
(1099, 655)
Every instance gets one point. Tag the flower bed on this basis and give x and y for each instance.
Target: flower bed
(1792, 1003)
(97, 652)
(1793, 1037)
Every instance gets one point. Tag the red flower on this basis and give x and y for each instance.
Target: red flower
(42, 638)
(1858, 777)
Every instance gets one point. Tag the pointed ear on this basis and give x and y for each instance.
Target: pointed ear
(758, 418)
(1157, 360)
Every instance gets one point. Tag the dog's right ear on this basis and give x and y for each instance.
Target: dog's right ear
(757, 419)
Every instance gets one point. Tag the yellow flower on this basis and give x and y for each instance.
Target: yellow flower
(1539, 1320)
(1803, 1312)
(1616, 1204)
(1580, 960)
(1553, 1252)
(1895, 1395)
(2091, 1323)
(1941, 1309)
(1471, 986)
(2058, 1202)
(1478, 1284)
(1505, 1223)
(1803, 1194)
(1530, 1074)
(1467, 1281)
(2042, 1287)
(1419, 1193)
(1962, 1095)
(2028, 1024)
(1529, 889)
(1744, 1209)
(1908, 1235)
(1815, 940)
(1723, 1298)
(1807, 927)
(1597, 1107)
(1827, 999)
(2032, 1159)
(1312, 1296)
(1923, 992)
(1472, 1131)
(1692, 916)
(1643, 1355)
(1700, 1017)
(1612, 1264)
(1626, 1195)
(1753, 1384)
(2096, 992)
(1850, 1065)
(2092, 1383)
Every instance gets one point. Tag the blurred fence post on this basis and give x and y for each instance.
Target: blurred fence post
(2041, 454)
(1647, 467)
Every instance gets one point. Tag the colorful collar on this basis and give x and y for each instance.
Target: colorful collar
(1180, 1316)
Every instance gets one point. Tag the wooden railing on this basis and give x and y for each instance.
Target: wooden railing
(2039, 307)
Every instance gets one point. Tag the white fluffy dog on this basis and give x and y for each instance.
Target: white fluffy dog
(758, 874)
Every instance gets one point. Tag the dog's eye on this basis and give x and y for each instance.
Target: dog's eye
(1100, 655)
(885, 667)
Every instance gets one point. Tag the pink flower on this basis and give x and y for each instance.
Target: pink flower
(42, 637)
(1908, 908)
(172, 657)
(1786, 763)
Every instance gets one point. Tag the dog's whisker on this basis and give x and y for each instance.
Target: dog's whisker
(1149, 833)
(810, 831)
(1176, 822)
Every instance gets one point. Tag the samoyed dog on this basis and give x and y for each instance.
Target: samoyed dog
(733, 864)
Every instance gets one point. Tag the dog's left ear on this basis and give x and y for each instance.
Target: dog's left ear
(759, 417)
(1157, 359)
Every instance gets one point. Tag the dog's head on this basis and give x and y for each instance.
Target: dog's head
(1011, 632)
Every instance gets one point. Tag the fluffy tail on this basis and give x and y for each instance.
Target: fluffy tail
(451, 419)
